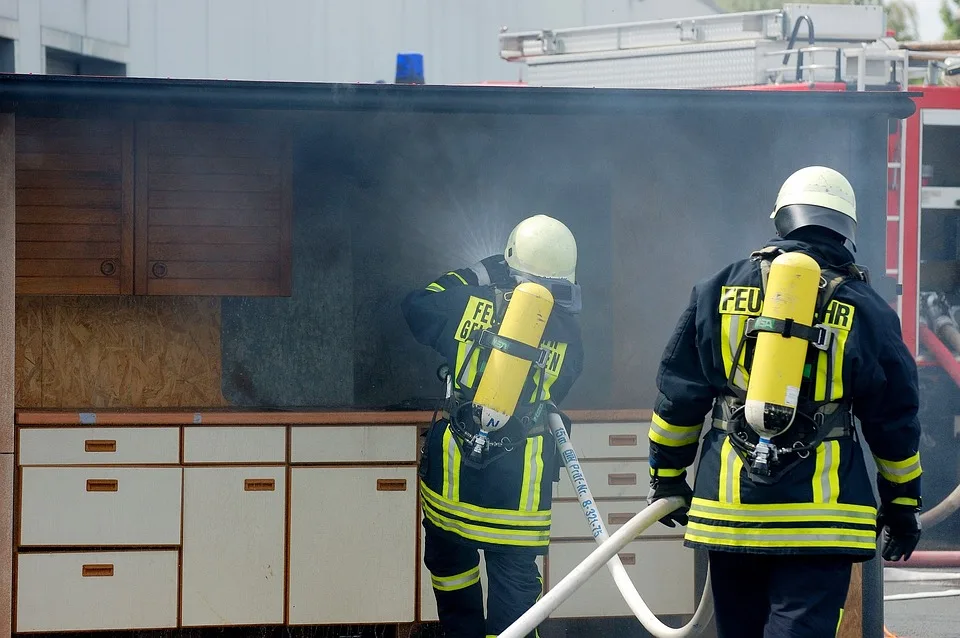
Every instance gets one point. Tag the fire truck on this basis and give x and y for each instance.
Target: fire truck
(837, 48)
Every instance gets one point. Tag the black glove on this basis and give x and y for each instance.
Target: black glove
(497, 268)
(661, 487)
(900, 525)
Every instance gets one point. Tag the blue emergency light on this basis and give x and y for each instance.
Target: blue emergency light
(409, 68)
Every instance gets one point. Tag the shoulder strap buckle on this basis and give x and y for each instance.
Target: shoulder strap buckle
(819, 335)
(491, 340)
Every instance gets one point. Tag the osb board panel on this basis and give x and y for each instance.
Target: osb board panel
(116, 352)
(851, 626)
(29, 352)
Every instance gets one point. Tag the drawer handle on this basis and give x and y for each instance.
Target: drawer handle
(623, 440)
(621, 479)
(391, 485)
(628, 559)
(97, 571)
(259, 485)
(619, 518)
(94, 445)
(102, 485)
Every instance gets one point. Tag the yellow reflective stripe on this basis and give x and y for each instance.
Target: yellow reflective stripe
(526, 538)
(741, 377)
(483, 514)
(836, 351)
(435, 287)
(826, 473)
(899, 471)
(820, 385)
(730, 467)
(462, 280)
(731, 332)
(458, 581)
(904, 500)
(557, 354)
(839, 620)
(735, 542)
(783, 512)
(781, 537)
(462, 348)
(532, 475)
(673, 435)
(451, 466)
(726, 350)
(795, 531)
(666, 473)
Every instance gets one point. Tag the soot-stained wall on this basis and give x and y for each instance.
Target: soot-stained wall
(387, 202)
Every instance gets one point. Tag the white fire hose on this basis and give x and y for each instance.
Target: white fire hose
(606, 552)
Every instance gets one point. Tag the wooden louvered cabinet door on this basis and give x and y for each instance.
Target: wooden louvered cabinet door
(213, 209)
(74, 194)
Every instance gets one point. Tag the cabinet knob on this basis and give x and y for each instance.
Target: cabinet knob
(108, 267)
(97, 571)
(619, 518)
(391, 485)
(259, 485)
(159, 269)
(94, 445)
(102, 485)
(620, 440)
(621, 479)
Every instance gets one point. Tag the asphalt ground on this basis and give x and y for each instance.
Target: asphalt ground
(926, 618)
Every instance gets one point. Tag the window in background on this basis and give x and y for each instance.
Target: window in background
(6, 56)
(67, 63)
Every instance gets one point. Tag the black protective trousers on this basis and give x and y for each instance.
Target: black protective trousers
(763, 596)
(514, 585)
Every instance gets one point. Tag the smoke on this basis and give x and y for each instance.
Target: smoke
(657, 202)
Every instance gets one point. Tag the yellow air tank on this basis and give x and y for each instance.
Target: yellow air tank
(504, 375)
(774, 385)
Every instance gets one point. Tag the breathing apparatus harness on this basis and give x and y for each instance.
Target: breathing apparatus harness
(815, 421)
(480, 449)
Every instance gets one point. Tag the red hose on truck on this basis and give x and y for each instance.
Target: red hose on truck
(951, 504)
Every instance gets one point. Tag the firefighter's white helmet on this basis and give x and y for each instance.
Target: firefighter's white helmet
(951, 71)
(543, 247)
(816, 196)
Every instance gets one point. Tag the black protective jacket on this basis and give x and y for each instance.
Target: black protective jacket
(507, 504)
(825, 503)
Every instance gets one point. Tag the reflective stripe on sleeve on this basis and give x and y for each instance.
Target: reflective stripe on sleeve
(899, 471)
(673, 435)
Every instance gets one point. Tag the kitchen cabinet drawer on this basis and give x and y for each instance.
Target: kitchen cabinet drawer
(569, 521)
(353, 444)
(99, 446)
(662, 571)
(353, 538)
(234, 520)
(609, 479)
(100, 506)
(96, 590)
(611, 440)
(211, 444)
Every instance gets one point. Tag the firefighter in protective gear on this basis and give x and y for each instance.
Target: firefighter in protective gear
(782, 539)
(498, 500)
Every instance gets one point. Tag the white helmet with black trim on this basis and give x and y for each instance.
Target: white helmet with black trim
(816, 196)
